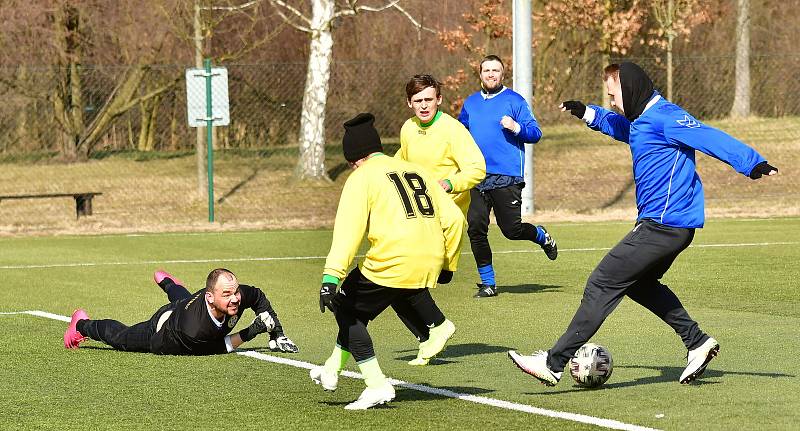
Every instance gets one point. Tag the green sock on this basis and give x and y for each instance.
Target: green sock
(337, 360)
(373, 376)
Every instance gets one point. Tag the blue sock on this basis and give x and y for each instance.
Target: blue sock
(487, 274)
(539, 235)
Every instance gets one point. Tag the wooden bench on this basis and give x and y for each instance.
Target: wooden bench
(83, 201)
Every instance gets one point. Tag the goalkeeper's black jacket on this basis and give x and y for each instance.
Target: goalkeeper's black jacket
(190, 330)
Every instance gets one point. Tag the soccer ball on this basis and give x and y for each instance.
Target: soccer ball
(591, 366)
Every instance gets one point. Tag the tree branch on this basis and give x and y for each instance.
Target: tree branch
(354, 9)
(232, 8)
(295, 12)
(288, 20)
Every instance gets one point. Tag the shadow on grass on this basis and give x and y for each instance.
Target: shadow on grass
(529, 288)
(430, 393)
(668, 375)
(421, 392)
(236, 188)
(457, 351)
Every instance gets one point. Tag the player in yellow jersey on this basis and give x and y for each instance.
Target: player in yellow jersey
(414, 232)
(446, 150)
(440, 143)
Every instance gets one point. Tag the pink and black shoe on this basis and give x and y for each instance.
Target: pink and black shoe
(160, 275)
(72, 338)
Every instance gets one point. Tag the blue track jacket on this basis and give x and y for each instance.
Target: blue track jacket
(503, 151)
(663, 141)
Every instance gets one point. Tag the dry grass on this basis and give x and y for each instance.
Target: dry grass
(580, 176)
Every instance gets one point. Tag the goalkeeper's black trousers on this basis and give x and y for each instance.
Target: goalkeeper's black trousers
(632, 268)
(135, 338)
(360, 301)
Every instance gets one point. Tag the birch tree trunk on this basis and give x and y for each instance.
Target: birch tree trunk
(311, 164)
(741, 96)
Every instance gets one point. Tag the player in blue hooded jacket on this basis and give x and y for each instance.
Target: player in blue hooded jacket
(669, 197)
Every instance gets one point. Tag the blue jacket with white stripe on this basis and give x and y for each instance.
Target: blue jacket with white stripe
(663, 141)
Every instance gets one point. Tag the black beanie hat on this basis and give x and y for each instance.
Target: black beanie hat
(360, 138)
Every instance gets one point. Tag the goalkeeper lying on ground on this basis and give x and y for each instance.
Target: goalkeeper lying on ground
(191, 324)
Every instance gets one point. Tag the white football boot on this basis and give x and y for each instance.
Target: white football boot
(328, 380)
(372, 397)
(536, 366)
(698, 359)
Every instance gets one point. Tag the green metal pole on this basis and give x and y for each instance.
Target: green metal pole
(209, 138)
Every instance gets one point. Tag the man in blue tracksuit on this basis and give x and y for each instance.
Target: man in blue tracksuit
(669, 196)
(501, 122)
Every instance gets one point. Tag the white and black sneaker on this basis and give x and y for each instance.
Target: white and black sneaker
(536, 366)
(486, 291)
(697, 360)
(550, 247)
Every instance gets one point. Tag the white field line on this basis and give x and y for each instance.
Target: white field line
(575, 417)
(285, 258)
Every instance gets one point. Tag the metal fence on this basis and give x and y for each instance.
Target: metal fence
(144, 163)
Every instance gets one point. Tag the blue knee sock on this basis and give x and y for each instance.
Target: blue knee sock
(539, 235)
(487, 274)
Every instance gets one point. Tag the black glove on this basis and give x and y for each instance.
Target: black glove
(445, 277)
(762, 168)
(575, 108)
(326, 294)
(261, 324)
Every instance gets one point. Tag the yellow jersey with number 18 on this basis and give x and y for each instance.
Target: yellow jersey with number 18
(414, 229)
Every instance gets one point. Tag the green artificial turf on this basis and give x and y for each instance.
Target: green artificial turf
(738, 280)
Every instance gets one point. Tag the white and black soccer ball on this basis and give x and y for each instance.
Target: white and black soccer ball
(591, 366)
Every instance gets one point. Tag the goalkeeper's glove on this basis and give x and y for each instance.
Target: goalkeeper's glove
(326, 294)
(445, 277)
(283, 344)
(574, 107)
(763, 168)
(261, 324)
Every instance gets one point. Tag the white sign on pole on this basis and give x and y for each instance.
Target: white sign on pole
(196, 97)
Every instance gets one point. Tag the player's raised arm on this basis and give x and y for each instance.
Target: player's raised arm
(599, 119)
(683, 129)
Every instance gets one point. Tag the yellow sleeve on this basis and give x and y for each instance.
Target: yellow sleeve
(452, 221)
(402, 153)
(471, 164)
(352, 217)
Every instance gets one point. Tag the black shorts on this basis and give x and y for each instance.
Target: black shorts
(366, 300)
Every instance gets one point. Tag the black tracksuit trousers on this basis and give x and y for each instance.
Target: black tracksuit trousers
(633, 268)
(134, 338)
(506, 203)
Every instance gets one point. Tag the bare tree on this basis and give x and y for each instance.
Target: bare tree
(199, 23)
(594, 28)
(317, 20)
(73, 34)
(741, 97)
(676, 18)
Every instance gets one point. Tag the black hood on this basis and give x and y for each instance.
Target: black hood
(636, 89)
